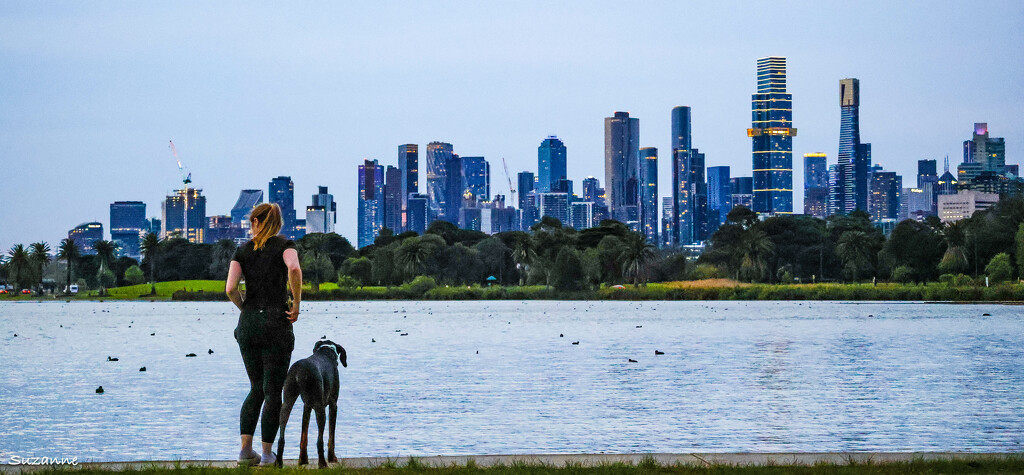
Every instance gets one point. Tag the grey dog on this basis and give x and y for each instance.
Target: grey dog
(316, 380)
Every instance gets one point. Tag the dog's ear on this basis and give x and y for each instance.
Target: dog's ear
(341, 355)
(317, 345)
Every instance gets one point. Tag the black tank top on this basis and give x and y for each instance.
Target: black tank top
(266, 275)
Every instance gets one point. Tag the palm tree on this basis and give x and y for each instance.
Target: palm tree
(105, 253)
(316, 266)
(411, 255)
(40, 256)
(18, 265)
(635, 256)
(523, 254)
(954, 261)
(854, 249)
(755, 246)
(68, 251)
(150, 246)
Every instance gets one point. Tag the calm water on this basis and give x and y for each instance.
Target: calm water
(735, 376)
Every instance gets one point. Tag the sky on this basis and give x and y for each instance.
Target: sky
(91, 92)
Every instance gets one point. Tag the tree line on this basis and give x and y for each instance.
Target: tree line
(778, 249)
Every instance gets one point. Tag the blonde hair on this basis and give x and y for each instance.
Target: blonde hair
(269, 217)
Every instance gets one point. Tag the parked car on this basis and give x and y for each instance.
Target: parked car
(25, 291)
(3, 291)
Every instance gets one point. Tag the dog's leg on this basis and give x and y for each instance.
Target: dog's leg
(290, 394)
(330, 442)
(303, 456)
(321, 420)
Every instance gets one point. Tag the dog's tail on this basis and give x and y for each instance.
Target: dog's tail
(291, 393)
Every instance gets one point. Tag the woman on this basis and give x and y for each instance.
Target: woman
(270, 265)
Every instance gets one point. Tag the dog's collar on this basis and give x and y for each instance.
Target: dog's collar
(330, 347)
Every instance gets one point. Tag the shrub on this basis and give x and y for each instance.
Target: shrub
(999, 268)
(419, 286)
(706, 271)
(134, 276)
(903, 274)
(347, 281)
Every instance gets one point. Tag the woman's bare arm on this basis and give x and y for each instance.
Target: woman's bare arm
(231, 287)
(291, 259)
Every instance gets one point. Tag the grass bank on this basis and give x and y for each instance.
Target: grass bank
(712, 289)
(648, 466)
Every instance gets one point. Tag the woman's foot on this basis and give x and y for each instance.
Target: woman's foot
(248, 457)
(268, 459)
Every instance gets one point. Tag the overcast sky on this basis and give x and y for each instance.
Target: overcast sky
(91, 92)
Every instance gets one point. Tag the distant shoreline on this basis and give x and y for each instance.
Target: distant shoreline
(708, 290)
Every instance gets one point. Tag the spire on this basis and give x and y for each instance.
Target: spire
(946, 166)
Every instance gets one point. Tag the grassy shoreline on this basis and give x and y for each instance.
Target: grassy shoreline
(716, 289)
(648, 465)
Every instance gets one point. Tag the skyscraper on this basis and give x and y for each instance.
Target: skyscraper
(591, 189)
(928, 182)
(417, 213)
(550, 163)
(527, 214)
(772, 133)
(649, 193)
(476, 174)
(127, 224)
(667, 212)
(581, 215)
(884, 203)
(719, 197)
(454, 188)
(555, 205)
(854, 156)
(184, 215)
(85, 235)
(698, 197)
(816, 185)
(742, 191)
(322, 214)
(371, 202)
(621, 166)
(409, 163)
(982, 154)
(282, 192)
(682, 213)
(393, 192)
(247, 200)
(438, 154)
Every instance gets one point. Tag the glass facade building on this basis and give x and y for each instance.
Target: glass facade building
(476, 175)
(438, 154)
(742, 191)
(621, 166)
(128, 224)
(772, 133)
(550, 163)
(85, 235)
(816, 185)
(183, 215)
(393, 192)
(371, 202)
(854, 159)
(682, 213)
(719, 196)
(282, 192)
(649, 193)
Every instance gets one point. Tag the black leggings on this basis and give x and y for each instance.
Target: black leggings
(266, 345)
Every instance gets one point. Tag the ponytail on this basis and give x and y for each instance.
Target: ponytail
(269, 217)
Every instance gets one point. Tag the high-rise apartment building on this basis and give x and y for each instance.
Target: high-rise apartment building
(982, 154)
(815, 185)
(184, 215)
(928, 182)
(85, 235)
(409, 163)
(550, 163)
(438, 154)
(128, 224)
(282, 193)
(240, 226)
(371, 202)
(884, 201)
(698, 196)
(322, 213)
(592, 190)
(581, 215)
(854, 157)
(393, 192)
(649, 193)
(742, 191)
(682, 213)
(555, 205)
(771, 132)
(417, 213)
(621, 167)
(476, 176)
(527, 205)
(719, 197)
(667, 220)
(454, 188)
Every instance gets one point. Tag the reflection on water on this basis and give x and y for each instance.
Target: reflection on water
(496, 377)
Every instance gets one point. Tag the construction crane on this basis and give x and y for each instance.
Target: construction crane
(186, 178)
(511, 189)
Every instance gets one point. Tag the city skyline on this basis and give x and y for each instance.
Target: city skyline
(905, 117)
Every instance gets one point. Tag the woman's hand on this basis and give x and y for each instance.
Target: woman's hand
(293, 313)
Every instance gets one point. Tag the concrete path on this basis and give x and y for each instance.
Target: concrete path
(560, 460)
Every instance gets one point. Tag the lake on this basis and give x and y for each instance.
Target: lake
(497, 377)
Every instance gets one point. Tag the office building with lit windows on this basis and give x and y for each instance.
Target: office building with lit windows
(550, 163)
(184, 215)
(621, 167)
(854, 157)
(771, 133)
(370, 197)
(816, 185)
(128, 224)
(85, 235)
(649, 193)
(719, 197)
(438, 155)
(282, 192)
